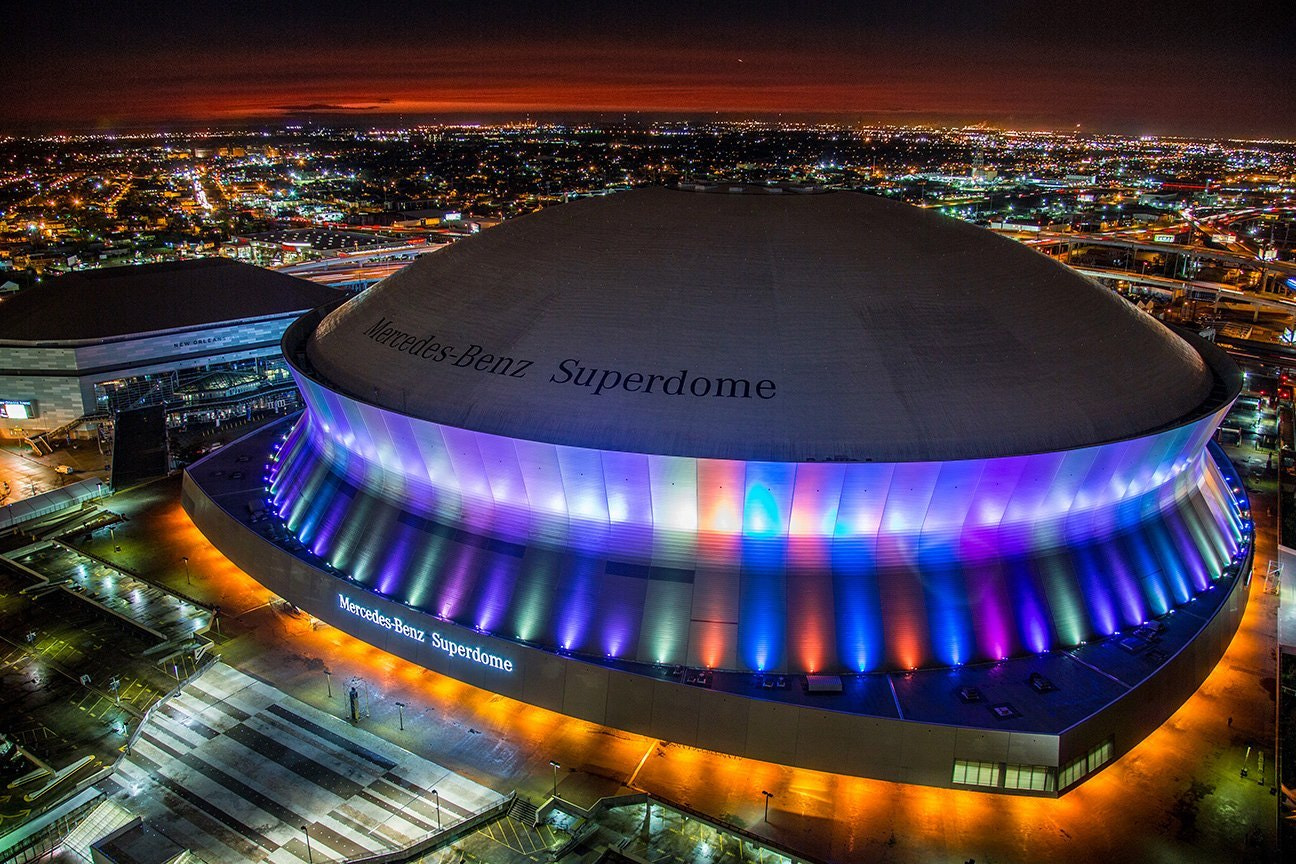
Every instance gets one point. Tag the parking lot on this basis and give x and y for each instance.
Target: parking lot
(74, 681)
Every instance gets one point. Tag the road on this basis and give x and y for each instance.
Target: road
(361, 268)
(1200, 252)
(1222, 223)
(1226, 293)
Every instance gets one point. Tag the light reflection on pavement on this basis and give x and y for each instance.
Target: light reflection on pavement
(1175, 796)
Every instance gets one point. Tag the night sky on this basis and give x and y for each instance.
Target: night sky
(1225, 68)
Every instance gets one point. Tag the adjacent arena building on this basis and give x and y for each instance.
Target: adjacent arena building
(810, 477)
(200, 337)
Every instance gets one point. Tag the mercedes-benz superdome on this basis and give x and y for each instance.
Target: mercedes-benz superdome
(743, 434)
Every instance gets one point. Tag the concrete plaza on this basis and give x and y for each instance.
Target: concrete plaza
(1177, 796)
(235, 771)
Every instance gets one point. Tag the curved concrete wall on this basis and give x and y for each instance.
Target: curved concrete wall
(821, 739)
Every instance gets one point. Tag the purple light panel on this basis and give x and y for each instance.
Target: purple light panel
(800, 567)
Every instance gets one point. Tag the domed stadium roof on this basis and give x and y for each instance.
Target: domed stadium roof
(760, 326)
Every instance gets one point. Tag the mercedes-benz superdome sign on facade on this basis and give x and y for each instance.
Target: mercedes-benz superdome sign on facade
(772, 433)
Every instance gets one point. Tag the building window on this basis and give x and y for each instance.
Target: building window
(976, 773)
(1037, 778)
(1100, 755)
(1071, 772)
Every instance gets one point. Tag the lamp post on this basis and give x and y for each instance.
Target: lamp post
(555, 767)
(768, 795)
(400, 714)
(185, 559)
(328, 681)
(437, 799)
(310, 859)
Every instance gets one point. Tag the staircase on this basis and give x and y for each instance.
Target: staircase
(104, 819)
(36, 442)
(523, 811)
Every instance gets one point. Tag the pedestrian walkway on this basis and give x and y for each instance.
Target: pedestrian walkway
(237, 771)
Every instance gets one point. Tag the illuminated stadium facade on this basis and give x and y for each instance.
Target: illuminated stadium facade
(819, 479)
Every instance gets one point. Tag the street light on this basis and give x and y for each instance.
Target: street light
(400, 713)
(328, 681)
(185, 559)
(310, 859)
(555, 767)
(768, 795)
(437, 799)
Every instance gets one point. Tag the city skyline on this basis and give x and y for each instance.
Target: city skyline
(675, 431)
(1207, 72)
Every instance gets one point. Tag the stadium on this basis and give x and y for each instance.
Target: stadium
(809, 477)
